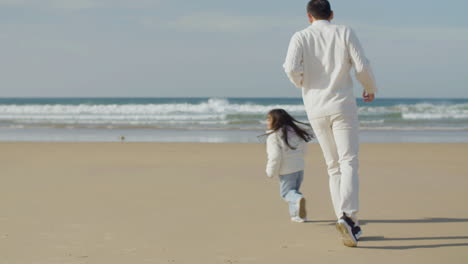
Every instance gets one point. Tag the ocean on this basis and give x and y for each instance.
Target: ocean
(215, 119)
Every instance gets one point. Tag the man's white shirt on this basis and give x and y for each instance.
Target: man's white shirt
(319, 61)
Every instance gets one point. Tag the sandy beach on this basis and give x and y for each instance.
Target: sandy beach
(212, 203)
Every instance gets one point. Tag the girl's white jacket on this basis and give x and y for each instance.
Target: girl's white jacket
(282, 159)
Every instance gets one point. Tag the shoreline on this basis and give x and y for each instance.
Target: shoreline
(211, 136)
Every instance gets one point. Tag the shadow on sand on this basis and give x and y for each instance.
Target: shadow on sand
(400, 221)
(382, 238)
(408, 221)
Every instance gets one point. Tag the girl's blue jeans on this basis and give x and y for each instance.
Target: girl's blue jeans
(289, 190)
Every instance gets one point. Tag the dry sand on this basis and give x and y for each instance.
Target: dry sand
(212, 203)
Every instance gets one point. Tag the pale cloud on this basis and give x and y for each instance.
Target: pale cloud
(210, 22)
(421, 33)
(213, 22)
(79, 4)
(71, 4)
(61, 4)
(13, 2)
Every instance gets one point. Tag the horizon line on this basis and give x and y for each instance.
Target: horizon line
(200, 97)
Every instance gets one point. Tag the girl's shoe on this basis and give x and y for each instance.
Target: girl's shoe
(297, 219)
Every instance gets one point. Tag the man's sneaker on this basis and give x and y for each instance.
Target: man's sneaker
(297, 219)
(301, 205)
(346, 226)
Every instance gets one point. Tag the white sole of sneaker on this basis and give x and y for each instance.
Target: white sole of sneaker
(302, 208)
(346, 234)
(358, 235)
(297, 220)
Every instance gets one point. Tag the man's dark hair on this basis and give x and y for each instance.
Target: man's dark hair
(319, 9)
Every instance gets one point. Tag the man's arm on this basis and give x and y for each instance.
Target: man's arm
(293, 65)
(362, 67)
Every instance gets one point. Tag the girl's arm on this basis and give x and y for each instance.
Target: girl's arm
(274, 156)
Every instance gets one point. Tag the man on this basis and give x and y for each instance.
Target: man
(319, 61)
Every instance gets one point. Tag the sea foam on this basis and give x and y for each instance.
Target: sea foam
(221, 113)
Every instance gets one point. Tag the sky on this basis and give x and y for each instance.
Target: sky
(216, 48)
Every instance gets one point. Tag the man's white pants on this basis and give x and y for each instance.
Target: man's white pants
(338, 137)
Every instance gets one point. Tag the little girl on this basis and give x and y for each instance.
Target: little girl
(286, 146)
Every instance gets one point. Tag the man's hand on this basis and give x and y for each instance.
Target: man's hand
(368, 97)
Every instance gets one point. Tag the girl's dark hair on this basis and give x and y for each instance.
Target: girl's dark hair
(281, 120)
